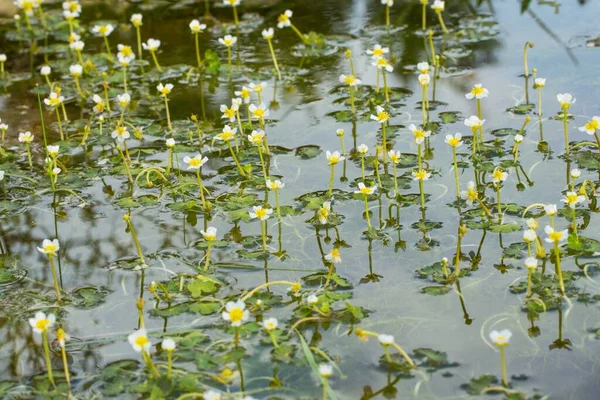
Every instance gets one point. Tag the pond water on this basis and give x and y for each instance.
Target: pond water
(443, 324)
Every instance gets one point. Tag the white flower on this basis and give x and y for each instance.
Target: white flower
(394, 156)
(261, 213)
(227, 134)
(103, 30)
(325, 370)
(41, 323)
(339, 132)
(151, 45)
(70, 16)
(312, 299)
(2, 57)
(438, 6)
(575, 173)
(591, 126)
(196, 162)
(362, 189)
(421, 175)
(555, 236)
(168, 344)
(349, 80)
(196, 26)
(228, 40)
(139, 341)
(565, 100)
(499, 175)
(54, 100)
(388, 3)
(45, 70)
(529, 235)
(284, 19)
(382, 63)
(258, 87)
(164, 89)
(419, 133)
(362, 149)
(125, 60)
(123, 99)
(236, 313)
(380, 115)
(423, 67)
(385, 340)
(56, 171)
(256, 137)
(324, 212)
(1, 175)
(268, 33)
(539, 82)
(500, 338)
(550, 209)
(77, 45)
(211, 395)
(3, 127)
(72, 6)
(170, 143)
(378, 52)
(275, 185)
(232, 3)
(532, 224)
(270, 324)
(62, 337)
(518, 138)
(454, 141)
(531, 263)
(210, 234)
(334, 256)
(474, 122)
(424, 79)
(76, 70)
(572, 199)
(25, 137)
(477, 92)
(260, 112)
(244, 94)
(136, 20)
(334, 157)
(470, 194)
(120, 134)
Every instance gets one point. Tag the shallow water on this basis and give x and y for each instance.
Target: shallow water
(97, 251)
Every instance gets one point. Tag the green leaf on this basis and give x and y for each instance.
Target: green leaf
(435, 290)
(476, 385)
(308, 151)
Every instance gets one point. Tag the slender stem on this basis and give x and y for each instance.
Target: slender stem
(169, 364)
(332, 176)
(60, 128)
(387, 16)
(108, 52)
(362, 166)
(385, 87)
(528, 293)
(422, 194)
(367, 212)
(236, 338)
(424, 16)
(498, 201)
(55, 279)
(274, 59)
(503, 364)
(273, 340)
(395, 180)
(456, 172)
(126, 162)
(404, 354)
(139, 41)
(155, 60)
(525, 64)
(124, 79)
(237, 163)
(566, 129)
(377, 87)
(439, 15)
(81, 92)
(135, 239)
(384, 141)
(201, 189)
(480, 116)
(29, 155)
(235, 16)
(263, 234)
(351, 90)
(207, 262)
(168, 113)
(325, 384)
(277, 205)
(197, 42)
(558, 269)
(540, 101)
(262, 162)
(299, 34)
(47, 357)
(229, 61)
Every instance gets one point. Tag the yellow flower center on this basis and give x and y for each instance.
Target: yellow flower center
(229, 113)
(256, 139)
(497, 174)
(335, 253)
(472, 194)
(261, 213)
(228, 42)
(54, 101)
(236, 314)
(378, 52)
(259, 113)
(126, 51)
(421, 175)
(195, 162)
(592, 125)
(572, 198)
(226, 136)
(382, 63)
(103, 30)
(245, 93)
(324, 212)
(454, 142)
(349, 80)
(383, 116)
(364, 190)
(42, 324)
(142, 341)
(477, 90)
(283, 19)
(395, 158)
(419, 134)
(555, 236)
(50, 248)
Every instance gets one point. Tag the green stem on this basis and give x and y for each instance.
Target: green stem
(235, 16)
(168, 113)
(139, 41)
(108, 52)
(135, 240)
(351, 89)
(201, 189)
(60, 128)
(498, 201)
(55, 279)
(169, 364)
(155, 60)
(385, 87)
(237, 163)
(263, 234)
(439, 14)
(325, 388)
(503, 364)
(540, 101)
(274, 59)
(47, 357)
(528, 293)
(198, 58)
(384, 141)
(387, 16)
(424, 17)
(207, 262)
(566, 129)
(229, 61)
(367, 212)
(332, 176)
(456, 172)
(558, 269)
(299, 33)
(480, 116)
(29, 155)
(236, 337)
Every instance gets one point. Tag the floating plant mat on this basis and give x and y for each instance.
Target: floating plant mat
(248, 202)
